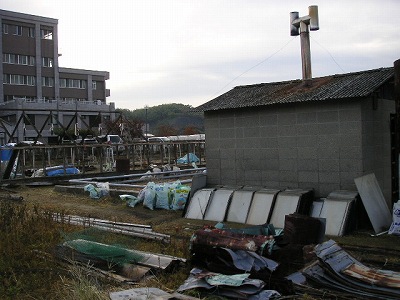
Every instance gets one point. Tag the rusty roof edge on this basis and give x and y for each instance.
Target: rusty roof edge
(208, 106)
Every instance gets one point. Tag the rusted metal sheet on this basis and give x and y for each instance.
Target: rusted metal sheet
(339, 271)
(373, 277)
(223, 238)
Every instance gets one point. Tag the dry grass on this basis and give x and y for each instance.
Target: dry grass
(28, 237)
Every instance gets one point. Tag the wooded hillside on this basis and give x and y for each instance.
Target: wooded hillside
(168, 119)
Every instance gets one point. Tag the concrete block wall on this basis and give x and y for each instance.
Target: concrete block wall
(316, 145)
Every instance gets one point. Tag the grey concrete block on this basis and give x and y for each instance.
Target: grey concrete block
(327, 116)
(307, 129)
(287, 176)
(287, 153)
(351, 165)
(350, 127)
(239, 132)
(251, 132)
(306, 117)
(227, 133)
(328, 152)
(328, 141)
(286, 118)
(287, 130)
(350, 140)
(330, 165)
(329, 177)
(253, 143)
(287, 142)
(227, 122)
(253, 177)
(307, 165)
(269, 142)
(307, 153)
(350, 115)
(328, 128)
(269, 164)
(227, 165)
(268, 119)
(227, 143)
(352, 152)
(288, 165)
(306, 141)
(270, 175)
(270, 154)
(247, 121)
(227, 154)
(309, 177)
(269, 131)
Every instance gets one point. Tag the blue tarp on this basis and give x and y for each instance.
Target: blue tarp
(184, 159)
(5, 153)
(57, 172)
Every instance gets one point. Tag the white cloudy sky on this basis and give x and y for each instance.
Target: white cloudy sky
(187, 51)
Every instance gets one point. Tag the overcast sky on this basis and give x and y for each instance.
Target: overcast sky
(181, 51)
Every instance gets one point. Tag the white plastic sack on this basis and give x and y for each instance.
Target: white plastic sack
(149, 196)
(395, 227)
(162, 191)
(180, 195)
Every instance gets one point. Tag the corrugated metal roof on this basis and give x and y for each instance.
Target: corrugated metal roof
(350, 85)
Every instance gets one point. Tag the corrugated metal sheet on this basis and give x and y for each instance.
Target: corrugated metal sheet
(216, 210)
(261, 206)
(239, 207)
(198, 204)
(337, 270)
(344, 86)
(288, 202)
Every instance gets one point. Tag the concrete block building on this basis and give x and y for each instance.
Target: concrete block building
(319, 135)
(34, 86)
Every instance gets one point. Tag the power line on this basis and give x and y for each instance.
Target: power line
(256, 65)
(314, 40)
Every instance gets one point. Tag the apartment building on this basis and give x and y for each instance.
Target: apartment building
(37, 95)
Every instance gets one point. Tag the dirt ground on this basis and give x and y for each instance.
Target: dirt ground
(377, 251)
(109, 208)
(172, 222)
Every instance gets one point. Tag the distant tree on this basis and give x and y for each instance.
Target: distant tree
(128, 129)
(190, 129)
(165, 130)
(176, 115)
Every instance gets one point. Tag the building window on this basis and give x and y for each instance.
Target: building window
(31, 32)
(13, 97)
(16, 30)
(18, 59)
(46, 34)
(47, 62)
(5, 28)
(94, 85)
(16, 79)
(72, 83)
(48, 81)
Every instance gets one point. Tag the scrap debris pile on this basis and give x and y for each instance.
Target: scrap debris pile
(249, 262)
(336, 270)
